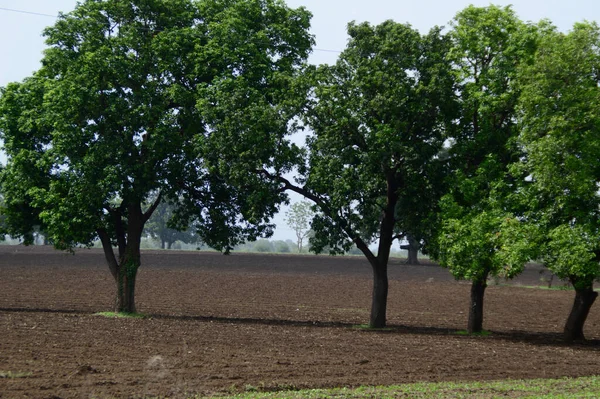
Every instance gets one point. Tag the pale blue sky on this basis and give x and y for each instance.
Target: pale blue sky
(21, 43)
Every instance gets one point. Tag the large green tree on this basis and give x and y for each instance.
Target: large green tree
(561, 140)
(378, 119)
(489, 44)
(118, 113)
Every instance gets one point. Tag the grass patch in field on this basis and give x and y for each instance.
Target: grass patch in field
(12, 374)
(121, 315)
(566, 388)
(484, 333)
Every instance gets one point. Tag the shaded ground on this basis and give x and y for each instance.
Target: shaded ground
(226, 323)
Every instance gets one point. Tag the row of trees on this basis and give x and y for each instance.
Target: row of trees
(479, 142)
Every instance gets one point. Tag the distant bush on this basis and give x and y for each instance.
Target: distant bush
(281, 247)
(263, 246)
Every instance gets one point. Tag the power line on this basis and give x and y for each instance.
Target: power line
(327, 51)
(56, 16)
(28, 12)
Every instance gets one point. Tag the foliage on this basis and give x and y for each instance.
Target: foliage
(379, 119)
(561, 140)
(125, 107)
(476, 244)
(488, 46)
(298, 218)
(379, 122)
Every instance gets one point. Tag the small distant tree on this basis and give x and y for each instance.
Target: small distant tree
(298, 218)
(412, 248)
(161, 226)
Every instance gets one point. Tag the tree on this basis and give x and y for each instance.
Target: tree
(561, 141)
(160, 226)
(298, 218)
(488, 46)
(412, 249)
(378, 118)
(115, 116)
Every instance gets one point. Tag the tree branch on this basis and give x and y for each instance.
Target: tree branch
(343, 224)
(151, 210)
(109, 254)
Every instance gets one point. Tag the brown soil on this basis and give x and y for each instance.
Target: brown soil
(221, 323)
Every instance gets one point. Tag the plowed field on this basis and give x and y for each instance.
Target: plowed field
(228, 323)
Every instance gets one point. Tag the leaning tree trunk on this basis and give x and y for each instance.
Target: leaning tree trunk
(475, 323)
(584, 299)
(413, 250)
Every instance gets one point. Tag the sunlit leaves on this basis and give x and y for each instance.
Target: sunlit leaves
(379, 117)
(561, 139)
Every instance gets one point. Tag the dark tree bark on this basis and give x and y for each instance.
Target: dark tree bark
(584, 299)
(169, 244)
(130, 260)
(379, 299)
(379, 263)
(124, 268)
(475, 323)
(128, 268)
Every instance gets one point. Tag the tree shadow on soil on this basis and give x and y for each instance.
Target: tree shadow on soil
(518, 336)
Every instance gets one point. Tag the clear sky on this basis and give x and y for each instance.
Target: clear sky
(21, 43)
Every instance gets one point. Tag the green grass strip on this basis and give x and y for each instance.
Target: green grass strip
(121, 315)
(564, 388)
(13, 374)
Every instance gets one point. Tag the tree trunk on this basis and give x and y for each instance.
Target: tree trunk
(379, 299)
(169, 244)
(163, 244)
(413, 250)
(475, 323)
(584, 299)
(130, 260)
(126, 284)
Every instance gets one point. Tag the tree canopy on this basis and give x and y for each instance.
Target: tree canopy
(488, 45)
(121, 110)
(560, 137)
(377, 120)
